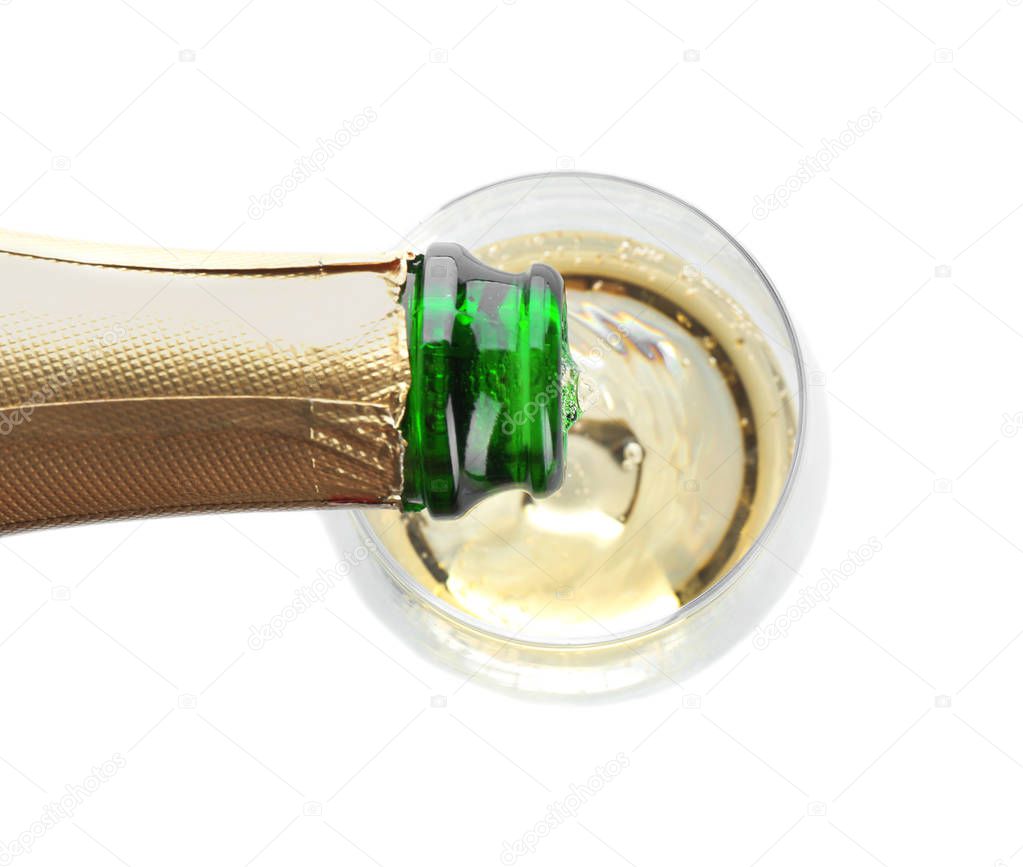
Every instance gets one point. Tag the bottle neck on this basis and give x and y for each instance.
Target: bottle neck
(488, 354)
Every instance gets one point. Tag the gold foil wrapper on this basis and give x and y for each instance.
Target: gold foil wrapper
(137, 382)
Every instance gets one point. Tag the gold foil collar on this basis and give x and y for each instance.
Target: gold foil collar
(152, 382)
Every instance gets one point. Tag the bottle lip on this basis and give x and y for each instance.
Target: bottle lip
(549, 430)
(438, 477)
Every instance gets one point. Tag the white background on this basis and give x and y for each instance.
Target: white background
(886, 727)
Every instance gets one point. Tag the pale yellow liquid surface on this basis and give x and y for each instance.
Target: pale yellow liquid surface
(678, 459)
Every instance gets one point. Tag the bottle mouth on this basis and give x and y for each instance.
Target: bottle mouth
(487, 408)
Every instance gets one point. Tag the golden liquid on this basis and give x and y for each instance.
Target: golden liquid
(684, 445)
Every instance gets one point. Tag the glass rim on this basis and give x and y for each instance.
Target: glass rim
(726, 581)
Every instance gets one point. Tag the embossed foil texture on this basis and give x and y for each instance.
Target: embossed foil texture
(158, 382)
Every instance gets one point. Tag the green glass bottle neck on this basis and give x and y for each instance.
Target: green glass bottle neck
(488, 354)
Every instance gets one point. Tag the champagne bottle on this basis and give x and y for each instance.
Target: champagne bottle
(136, 383)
